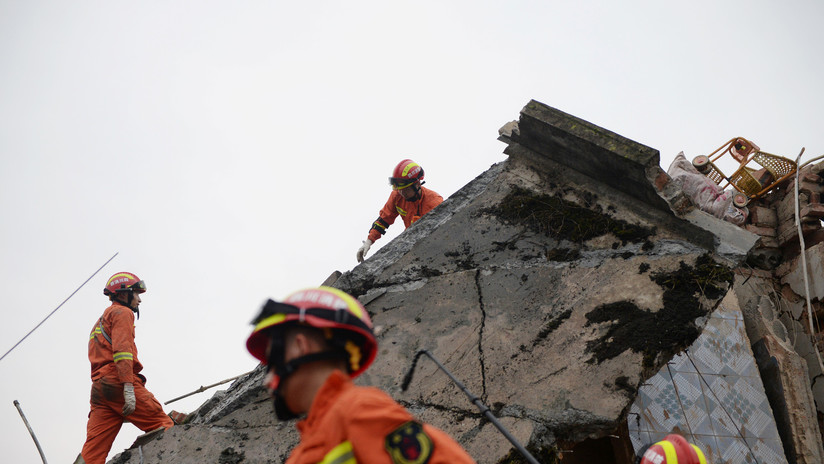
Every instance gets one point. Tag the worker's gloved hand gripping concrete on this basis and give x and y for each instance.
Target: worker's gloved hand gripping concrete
(128, 396)
(364, 249)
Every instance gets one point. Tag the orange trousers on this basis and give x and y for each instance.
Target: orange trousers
(106, 417)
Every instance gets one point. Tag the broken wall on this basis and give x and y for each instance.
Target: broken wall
(784, 330)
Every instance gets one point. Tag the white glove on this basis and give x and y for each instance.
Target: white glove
(363, 249)
(128, 395)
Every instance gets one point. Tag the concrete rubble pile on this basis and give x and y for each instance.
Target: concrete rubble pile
(571, 287)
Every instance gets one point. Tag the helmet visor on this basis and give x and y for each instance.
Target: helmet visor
(400, 183)
(139, 287)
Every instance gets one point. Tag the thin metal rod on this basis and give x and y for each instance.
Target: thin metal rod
(475, 400)
(58, 307)
(203, 389)
(25, 421)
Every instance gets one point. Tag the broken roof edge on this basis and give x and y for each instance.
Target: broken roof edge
(589, 149)
(545, 133)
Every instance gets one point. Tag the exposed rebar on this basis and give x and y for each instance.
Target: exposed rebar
(25, 421)
(203, 389)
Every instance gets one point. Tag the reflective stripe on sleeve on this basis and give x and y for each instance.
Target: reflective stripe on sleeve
(95, 332)
(341, 454)
(123, 355)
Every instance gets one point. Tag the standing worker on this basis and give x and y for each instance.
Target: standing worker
(118, 391)
(314, 343)
(409, 199)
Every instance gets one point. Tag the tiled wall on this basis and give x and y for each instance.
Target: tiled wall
(711, 394)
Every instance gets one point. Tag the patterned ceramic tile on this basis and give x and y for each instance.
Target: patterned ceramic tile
(725, 312)
(662, 411)
(733, 450)
(713, 394)
(743, 409)
(639, 438)
(692, 403)
(682, 363)
(767, 451)
(722, 348)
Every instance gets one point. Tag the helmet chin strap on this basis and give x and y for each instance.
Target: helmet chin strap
(129, 302)
(417, 187)
(284, 370)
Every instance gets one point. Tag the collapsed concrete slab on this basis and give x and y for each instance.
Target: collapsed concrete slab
(553, 285)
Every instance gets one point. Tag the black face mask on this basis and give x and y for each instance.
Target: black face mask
(284, 370)
(282, 412)
(275, 363)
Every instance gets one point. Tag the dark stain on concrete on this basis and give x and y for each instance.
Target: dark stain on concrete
(559, 218)
(553, 323)
(545, 455)
(429, 272)
(622, 383)
(122, 458)
(671, 328)
(644, 267)
(563, 254)
(230, 456)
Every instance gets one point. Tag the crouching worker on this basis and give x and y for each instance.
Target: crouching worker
(314, 343)
(118, 392)
(409, 199)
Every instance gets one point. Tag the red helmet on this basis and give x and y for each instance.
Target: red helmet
(406, 173)
(673, 449)
(322, 308)
(124, 282)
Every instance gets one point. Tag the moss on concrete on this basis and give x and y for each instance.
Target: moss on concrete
(562, 219)
(563, 254)
(668, 330)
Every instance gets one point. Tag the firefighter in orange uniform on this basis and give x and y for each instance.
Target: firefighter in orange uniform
(118, 392)
(314, 343)
(409, 199)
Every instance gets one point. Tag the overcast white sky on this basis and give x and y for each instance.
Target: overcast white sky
(236, 151)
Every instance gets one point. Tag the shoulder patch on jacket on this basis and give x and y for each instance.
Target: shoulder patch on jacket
(409, 444)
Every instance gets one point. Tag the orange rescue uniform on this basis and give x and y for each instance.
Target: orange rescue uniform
(114, 362)
(349, 424)
(408, 211)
